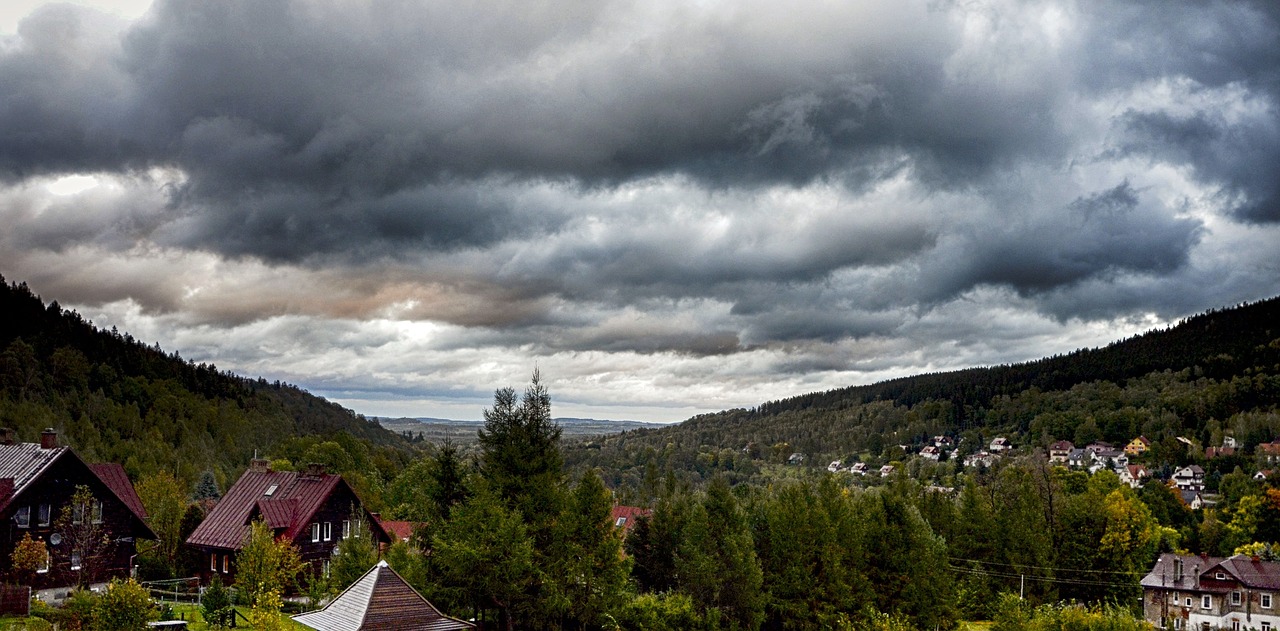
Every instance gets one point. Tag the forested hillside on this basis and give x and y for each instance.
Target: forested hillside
(1214, 373)
(115, 399)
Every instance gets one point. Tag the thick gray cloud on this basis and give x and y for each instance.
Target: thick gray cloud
(791, 192)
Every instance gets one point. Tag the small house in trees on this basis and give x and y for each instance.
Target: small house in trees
(1263, 474)
(624, 517)
(931, 453)
(380, 599)
(1270, 452)
(1138, 446)
(85, 543)
(310, 508)
(858, 468)
(1059, 451)
(1189, 478)
(1000, 444)
(1134, 475)
(1078, 459)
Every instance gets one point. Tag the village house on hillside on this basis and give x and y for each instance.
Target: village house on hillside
(311, 508)
(624, 517)
(37, 482)
(1137, 446)
(1191, 593)
(1059, 451)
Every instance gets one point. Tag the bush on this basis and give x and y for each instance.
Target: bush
(125, 606)
(660, 612)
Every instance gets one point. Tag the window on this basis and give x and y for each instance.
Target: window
(1235, 598)
(315, 531)
(620, 523)
(1206, 602)
(1220, 576)
(23, 517)
(271, 489)
(328, 531)
(346, 528)
(97, 512)
(325, 568)
(44, 564)
(1177, 624)
(226, 558)
(1235, 625)
(77, 514)
(44, 515)
(1266, 626)
(213, 563)
(1266, 601)
(75, 560)
(1188, 602)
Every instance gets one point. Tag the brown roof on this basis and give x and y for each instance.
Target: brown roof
(22, 463)
(401, 530)
(112, 474)
(380, 599)
(295, 498)
(1165, 574)
(630, 513)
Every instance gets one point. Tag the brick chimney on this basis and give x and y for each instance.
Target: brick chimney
(260, 465)
(49, 438)
(7, 436)
(314, 469)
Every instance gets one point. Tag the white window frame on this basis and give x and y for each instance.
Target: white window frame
(328, 531)
(325, 567)
(1265, 601)
(76, 560)
(44, 515)
(226, 562)
(1220, 576)
(22, 518)
(622, 521)
(43, 568)
(96, 512)
(1188, 601)
(1235, 598)
(1235, 625)
(1206, 601)
(1266, 626)
(346, 529)
(315, 531)
(213, 562)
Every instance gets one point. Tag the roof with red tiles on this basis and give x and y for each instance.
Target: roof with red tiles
(286, 500)
(380, 599)
(401, 530)
(628, 515)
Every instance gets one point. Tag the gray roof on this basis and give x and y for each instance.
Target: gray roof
(380, 599)
(1256, 574)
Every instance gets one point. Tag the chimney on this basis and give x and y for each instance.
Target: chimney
(49, 438)
(7, 436)
(314, 469)
(260, 465)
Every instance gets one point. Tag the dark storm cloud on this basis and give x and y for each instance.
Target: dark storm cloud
(544, 164)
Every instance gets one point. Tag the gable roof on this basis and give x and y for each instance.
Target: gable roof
(1257, 573)
(290, 506)
(1165, 573)
(380, 599)
(21, 464)
(400, 530)
(630, 514)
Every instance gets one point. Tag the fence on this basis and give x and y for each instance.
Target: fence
(177, 590)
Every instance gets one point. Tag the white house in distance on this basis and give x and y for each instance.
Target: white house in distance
(1000, 444)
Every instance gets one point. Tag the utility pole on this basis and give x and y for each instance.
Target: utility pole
(1022, 591)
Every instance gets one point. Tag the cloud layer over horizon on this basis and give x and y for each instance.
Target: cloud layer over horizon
(671, 207)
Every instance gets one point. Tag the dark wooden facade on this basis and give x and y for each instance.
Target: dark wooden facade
(38, 483)
(311, 509)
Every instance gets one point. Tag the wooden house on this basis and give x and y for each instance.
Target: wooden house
(310, 508)
(95, 544)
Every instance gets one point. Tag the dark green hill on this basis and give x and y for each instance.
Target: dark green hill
(1212, 373)
(114, 398)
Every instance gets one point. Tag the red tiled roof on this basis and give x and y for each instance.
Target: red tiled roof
(630, 513)
(113, 475)
(380, 599)
(278, 513)
(227, 523)
(401, 530)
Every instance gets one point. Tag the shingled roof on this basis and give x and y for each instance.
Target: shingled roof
(380, 599)
(286, 500)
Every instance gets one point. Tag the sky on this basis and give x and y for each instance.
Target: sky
(668, 207)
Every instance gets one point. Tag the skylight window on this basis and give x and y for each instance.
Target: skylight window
(271, 489)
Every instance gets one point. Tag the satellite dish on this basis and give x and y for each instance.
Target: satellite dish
(55, 538)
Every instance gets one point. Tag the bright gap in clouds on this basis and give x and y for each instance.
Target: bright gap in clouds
(13, 11)
(72, 184)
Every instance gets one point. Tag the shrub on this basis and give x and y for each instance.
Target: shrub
(215, 605)
(125, 606)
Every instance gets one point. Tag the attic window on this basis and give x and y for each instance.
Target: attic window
(621, 522)
(271, 489)
(1220, 576)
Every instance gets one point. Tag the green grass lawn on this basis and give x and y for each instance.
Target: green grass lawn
(191, 613)
(975, 625)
